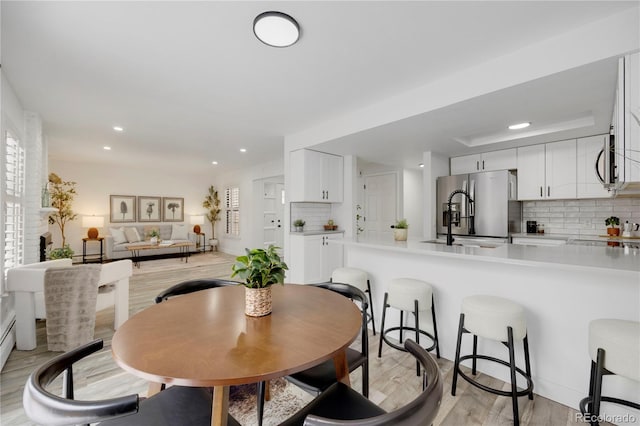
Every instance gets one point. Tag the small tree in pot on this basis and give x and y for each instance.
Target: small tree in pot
(212, 204)
(62, 194)
(260, 269)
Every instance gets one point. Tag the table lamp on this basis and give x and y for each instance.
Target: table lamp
(197, 220)
(93, 223)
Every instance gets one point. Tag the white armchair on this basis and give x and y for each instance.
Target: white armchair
(26, 282)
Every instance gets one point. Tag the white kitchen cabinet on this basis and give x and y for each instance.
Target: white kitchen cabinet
(487, 161)
(528, 241)
(547, 171)
(314, 257)
(316, 176)
(588, 150)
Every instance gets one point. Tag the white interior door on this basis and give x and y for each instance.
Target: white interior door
(279, 231)
(380, 205)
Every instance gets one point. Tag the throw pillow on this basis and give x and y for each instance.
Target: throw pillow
(132, 235)
(179, 232)
(118, 235)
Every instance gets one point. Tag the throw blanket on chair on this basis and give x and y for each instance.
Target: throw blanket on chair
(70, 295)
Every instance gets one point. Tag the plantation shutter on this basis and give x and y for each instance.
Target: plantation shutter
(12, 203)
(232, 206)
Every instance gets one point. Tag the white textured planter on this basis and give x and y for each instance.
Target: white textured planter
(257, 301)
(400, 234)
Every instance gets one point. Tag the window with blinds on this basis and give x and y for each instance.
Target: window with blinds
(13, 201)
(232, 210)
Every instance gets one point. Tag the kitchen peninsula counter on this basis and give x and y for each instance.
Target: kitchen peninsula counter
(614, 260)
(562, 288)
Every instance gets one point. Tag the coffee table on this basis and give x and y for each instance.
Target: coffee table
(204, 339)
(136, 249)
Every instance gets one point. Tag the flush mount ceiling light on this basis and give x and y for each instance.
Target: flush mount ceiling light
(215, 163)
(421, 165)
(118, 129)
(519, 126)
(243, 150)
(106, 148)
(276, 29)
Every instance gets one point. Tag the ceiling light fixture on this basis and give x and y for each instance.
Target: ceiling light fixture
(243, 150)
(118, 129)
(421, 165)
(276, 29)
(106, 148)
(215, 163)
(519, 126)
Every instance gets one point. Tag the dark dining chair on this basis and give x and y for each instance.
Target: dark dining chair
(175, 406)
(192, 286)
(320, 377)
(341, 405)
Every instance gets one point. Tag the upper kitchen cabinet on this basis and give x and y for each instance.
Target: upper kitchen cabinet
(588, 152)
(316, 177)
(630, 119)
(504, 159)
(547, 171)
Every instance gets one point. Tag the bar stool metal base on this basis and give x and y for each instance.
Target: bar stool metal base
(416, 330)
(590, 406)
(514, 393)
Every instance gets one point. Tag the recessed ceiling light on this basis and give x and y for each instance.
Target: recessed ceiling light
(106, 148)
(421, 165)
(519, 126)
(118, 128)
(243, 150)
(276, 29)
(215, 163)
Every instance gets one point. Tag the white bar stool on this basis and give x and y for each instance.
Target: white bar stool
(614, 347)
(408, 294)
(498, 319)
(357, 278)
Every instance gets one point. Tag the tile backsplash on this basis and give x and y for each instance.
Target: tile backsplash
(580, 217)
(314, 214)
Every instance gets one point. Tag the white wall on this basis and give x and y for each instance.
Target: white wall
(412, 201)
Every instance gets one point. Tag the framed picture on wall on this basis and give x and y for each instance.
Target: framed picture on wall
(149, 209)
(172, 209)
(122, 208)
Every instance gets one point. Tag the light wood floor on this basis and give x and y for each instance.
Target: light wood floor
(393, 380)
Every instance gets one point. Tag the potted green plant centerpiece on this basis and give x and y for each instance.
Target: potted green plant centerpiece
(400, 230)
(299, 224)
(154, 236)
(611, 223)
(260, 269)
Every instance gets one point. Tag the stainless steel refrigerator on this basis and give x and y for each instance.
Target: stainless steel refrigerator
(495, 210)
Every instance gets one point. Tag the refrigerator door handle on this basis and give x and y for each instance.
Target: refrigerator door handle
(463, 201)
(472, 194)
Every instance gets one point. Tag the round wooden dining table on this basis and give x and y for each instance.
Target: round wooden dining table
(205, 339)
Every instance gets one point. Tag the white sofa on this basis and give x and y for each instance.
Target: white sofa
(118, 250)
(26, 282)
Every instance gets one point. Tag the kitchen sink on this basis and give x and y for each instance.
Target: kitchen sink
(463, 243)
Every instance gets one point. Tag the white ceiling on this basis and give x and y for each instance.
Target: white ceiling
(191, 84)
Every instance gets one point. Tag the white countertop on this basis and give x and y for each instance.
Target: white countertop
(612, 259)
(568, 237)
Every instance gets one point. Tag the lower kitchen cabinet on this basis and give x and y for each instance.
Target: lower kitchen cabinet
(314, 257)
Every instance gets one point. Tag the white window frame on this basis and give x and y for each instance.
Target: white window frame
(232, 211)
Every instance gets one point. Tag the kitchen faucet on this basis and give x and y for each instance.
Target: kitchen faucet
(471, 215)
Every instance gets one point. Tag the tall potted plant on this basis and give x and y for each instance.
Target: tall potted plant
(61, 194)
(260, 269)
(212, 204)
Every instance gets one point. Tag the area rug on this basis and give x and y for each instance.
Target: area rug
(286, 400)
